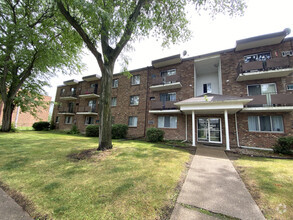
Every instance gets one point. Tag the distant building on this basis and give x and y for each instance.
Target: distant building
(25, 119)
(241, 96)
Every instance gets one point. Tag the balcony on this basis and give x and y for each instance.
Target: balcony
(87, 110)
(271, 68)
(66, 111)
(270, 103)
(165, 83)
(89, 93)
(163, 107)
(69, 96)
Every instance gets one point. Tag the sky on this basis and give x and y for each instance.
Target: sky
(209, 35)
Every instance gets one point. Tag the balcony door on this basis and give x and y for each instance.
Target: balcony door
(209, 130)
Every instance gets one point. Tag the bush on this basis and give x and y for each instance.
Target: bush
(41, 126)
(73, 130)
(155, 134)
(119, 131)
(284, 145)
(92, 131)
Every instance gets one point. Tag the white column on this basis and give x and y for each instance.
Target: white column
(227, 130)
(236, 126)
(186, 127)
(193, 129)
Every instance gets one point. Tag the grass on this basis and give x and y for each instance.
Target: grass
(135, 180)
(270, 182)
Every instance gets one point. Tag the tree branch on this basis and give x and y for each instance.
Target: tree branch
(82, 33)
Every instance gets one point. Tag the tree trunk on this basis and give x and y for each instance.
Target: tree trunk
(7, 115)
(105, 135)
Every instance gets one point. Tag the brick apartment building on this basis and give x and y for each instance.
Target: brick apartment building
(237, 97)
(25, 119)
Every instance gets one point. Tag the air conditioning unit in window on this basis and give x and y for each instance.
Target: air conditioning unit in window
(287, 53)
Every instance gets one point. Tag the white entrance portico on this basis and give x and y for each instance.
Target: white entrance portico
(212, 104)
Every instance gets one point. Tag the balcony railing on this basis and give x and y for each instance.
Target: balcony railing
(64, 110)
(89, 91)
(162, 105)
(165, 80)
(88, 109)
(270, 64)
(69, 94)
(271, 100)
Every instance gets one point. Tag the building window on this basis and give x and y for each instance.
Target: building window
(73, 91)
(134, 100)
(168, 73)
(92, 105)
(114, 101)
(132, 121)
(70, 107)
(168, 97)
(266, 123)
(167, 122)
(89, 120)
(207, 88)
(115, 83)
(290, 87)
(94, 85)
(68, 120)
(135, 80)
(262, 89)
(57, 120)
(257, 57)
(62, 92)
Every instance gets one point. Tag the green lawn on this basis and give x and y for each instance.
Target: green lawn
(135, 180)
(270, 181)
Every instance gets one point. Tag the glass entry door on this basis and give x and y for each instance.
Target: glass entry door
(209, 130)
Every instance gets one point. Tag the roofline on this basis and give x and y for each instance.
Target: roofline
(214, 102)
(166, 58)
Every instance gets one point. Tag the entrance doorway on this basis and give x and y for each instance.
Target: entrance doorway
(209, 130)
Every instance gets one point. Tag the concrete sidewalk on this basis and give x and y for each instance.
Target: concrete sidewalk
(10, 210)
(212, 183)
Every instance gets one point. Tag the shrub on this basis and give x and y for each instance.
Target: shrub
(41, 126)
(73, 130)
(155, 134)
(284, 145)
(92, 131)
(119, 131)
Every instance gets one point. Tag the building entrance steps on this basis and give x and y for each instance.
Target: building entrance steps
(213, 184)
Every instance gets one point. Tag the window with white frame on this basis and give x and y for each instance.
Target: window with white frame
(168, 72)
(167, 122)
(266, 123)
(68, 120)
(115, 83)
(114, 101)
(290, 87)
(135, 80)
(168, 96)
(89, 120)
(262, 89)
(132, 121)
(134, 100)
(207, 88)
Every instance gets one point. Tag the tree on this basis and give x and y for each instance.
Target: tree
(106, 27)
(34, 43)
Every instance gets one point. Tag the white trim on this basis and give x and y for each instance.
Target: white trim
(257, 148)
(268, 109)
(209, 133)
(164, 111)
(241, 101)
(90, 95)
(186, 127)
(86, 113)
(193, 129)
(194, 81)
(207, 58)
(220, 78)
(236, 128)
(227, 130)
(166, 86)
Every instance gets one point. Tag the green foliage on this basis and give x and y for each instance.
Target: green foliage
(284, 145)
(52, 125)
(41, 126)
(155, 134)
(119, 131)
(73, 130)
(92, 131)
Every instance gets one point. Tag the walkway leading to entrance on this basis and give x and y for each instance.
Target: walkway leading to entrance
(212, 183)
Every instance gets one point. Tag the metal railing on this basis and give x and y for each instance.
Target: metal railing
(66, 110)
(89, 91)
(165, 80)
(162, 105)
(88, 109)
(270, 100)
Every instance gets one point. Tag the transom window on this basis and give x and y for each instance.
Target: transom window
(168, 72)
(168, 97)
(167, 122)
(266, 123)
(132, 121)
(207, 88)
(134, 100)
(115, 83)
(257, 57)
(89, 120)
(114, 101)
(135, 80)
(262, 89)
(290, 87)
(68, 120)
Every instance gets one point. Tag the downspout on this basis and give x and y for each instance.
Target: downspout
(236, 127)
(146, 102)
(185, 129)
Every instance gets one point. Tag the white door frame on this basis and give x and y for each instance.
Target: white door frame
(209, 138)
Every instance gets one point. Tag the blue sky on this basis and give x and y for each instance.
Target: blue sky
(209, 35)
